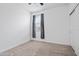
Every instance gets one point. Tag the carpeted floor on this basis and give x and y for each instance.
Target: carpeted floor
(38, 48)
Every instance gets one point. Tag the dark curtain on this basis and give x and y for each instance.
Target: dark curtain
(42, 27)
(33, 27)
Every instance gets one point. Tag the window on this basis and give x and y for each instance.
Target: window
(38, 26)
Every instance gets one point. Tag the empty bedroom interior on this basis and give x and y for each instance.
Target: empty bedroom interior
(39, 29)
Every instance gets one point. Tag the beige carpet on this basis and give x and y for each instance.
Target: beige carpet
(38, 48)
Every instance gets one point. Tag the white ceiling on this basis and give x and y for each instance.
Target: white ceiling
(34, 7)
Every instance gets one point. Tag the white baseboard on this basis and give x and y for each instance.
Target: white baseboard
(13, 46)
(44, 40)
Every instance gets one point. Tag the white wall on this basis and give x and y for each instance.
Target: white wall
(14, 25)
(57, 25)
(75, 30)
